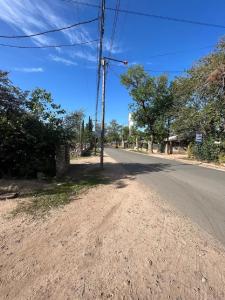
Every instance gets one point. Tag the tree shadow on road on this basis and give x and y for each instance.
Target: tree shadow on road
(114, 172)
(79, 178)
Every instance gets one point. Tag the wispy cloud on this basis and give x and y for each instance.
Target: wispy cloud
(90, 55)
(23, 16)
(29, 16)
(29, 70)
(86, 55)
(115, 48)
(63, 60)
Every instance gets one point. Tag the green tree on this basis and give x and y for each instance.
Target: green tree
(151, 100)
(72, 124)
(200, 101)
(125, 132)
(41, 105)
(29, 130)
(89, 135)
(82, 136)
(113, 132)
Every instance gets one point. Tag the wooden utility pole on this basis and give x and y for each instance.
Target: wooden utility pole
(104, 65)
(102, 29)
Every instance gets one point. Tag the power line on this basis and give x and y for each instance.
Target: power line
(101, 35)
(98, 74)
(114, 27)
(150, 70)
(181, 51)
(82, 47)
(48, 46)
(48, 31)
(164, 71)
(99, 57)
(142, 14)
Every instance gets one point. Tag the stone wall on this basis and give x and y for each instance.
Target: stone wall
(62, 159)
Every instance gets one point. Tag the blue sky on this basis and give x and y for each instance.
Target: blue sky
(70, 73)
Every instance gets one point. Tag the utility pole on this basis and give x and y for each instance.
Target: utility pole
(102, 29)
(104, 63)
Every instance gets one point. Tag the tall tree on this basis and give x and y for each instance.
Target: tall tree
(72, 124)
(113, 132)
(200, 101)
(151, 99)
(30, 130)
(89, 135)
(125, 132)
(42, 106)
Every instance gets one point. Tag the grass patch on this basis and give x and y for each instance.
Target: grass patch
(39, 203)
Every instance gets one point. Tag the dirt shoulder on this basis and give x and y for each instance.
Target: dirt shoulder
(118, 241)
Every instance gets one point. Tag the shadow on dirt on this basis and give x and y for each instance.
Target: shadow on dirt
(79, 178)
(114, 172)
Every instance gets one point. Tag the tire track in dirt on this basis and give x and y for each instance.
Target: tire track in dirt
(106, 245)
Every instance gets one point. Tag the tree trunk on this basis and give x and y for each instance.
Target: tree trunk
(137, 143)
(169, 147)
(150, 144)
(122, 144)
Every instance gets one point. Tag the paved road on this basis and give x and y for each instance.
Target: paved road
(197, 192)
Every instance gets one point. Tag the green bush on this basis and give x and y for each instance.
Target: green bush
(222, 158)
(207, 151)
(30, 131)
(190, 150)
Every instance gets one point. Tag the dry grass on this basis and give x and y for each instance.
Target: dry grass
(41, 202)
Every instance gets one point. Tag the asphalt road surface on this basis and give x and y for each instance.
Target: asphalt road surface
(197, 192)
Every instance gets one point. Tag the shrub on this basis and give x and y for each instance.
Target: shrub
(207, 151)
(222, 158)
(30, 131)
(190, 150)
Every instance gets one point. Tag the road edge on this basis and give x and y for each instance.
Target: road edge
(188, 162)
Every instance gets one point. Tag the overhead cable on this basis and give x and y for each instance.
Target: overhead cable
(48, 46)
(143, 14)
(114, 27)
(48, 31)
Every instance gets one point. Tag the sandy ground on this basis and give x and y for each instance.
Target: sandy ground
(117, 241)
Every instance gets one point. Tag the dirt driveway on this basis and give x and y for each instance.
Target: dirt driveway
(116, 241)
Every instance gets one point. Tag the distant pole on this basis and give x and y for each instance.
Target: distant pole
(102, 29)
(123, 144)
(104, 65)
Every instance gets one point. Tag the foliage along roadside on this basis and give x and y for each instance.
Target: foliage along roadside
(32, 127)
(188, 104)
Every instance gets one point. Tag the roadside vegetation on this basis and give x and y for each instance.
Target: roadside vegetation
(189, 104)
(33, 126)
(32, 129)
